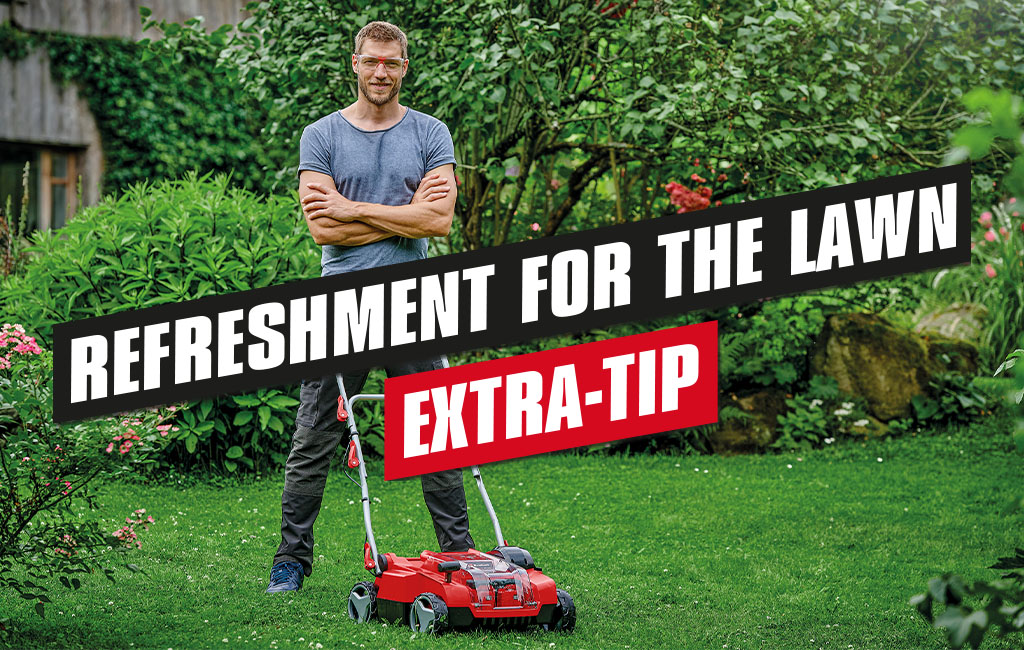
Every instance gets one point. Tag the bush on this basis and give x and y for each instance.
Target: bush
(47, 472)
(995, 277)
(953, 398)
(821, 415)
(169, 242)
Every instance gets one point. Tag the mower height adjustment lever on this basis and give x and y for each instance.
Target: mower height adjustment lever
(353, 458)
(342, 413)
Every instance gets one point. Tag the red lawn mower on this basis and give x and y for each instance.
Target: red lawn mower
(437, 592)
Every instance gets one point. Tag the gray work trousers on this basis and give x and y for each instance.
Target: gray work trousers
(318, 433)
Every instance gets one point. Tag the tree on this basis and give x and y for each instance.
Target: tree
(549, 101)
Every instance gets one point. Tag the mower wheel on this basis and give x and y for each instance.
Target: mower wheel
(564, 619)
(428, 614)
(362, 602)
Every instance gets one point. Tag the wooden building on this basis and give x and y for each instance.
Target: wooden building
(47, 124)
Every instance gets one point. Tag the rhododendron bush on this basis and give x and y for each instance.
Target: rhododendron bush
(47, 472)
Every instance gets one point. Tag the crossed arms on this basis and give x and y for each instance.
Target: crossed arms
(333, 219)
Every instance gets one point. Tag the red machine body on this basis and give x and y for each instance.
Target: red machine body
(473, 585)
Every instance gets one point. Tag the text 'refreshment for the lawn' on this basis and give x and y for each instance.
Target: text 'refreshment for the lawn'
(728, 255)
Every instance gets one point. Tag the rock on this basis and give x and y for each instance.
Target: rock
(952, 355)
(959, 321)
(756, 432)
(952, 334)
(874, 427)
(885, 364)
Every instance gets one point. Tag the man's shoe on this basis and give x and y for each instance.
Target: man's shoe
(285, 576)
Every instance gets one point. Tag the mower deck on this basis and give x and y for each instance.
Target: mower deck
(439, 591)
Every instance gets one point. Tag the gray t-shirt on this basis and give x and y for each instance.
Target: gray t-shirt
(375, 167)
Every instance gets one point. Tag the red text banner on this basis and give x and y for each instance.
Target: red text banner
(546, 401)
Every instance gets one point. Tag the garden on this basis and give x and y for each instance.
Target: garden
(863, 486)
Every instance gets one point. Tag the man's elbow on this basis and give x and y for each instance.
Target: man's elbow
(318, 237)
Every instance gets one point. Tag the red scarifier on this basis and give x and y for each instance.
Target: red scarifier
(437, 592)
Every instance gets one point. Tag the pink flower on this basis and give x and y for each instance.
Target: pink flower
(1002, 231)
(110, 448)
(990, 235)
(163, 427)
(535, 227)
(1013, 199)
(555, 183)
(989, 271)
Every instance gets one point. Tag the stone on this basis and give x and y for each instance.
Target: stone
(885, 364)
(958, 321)
(754, 433)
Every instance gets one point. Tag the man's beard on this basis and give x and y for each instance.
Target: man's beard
(375, 99)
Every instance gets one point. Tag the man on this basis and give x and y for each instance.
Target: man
(375, 181)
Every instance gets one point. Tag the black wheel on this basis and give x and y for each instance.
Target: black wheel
(362, 602)
(564, 619)
(428, 614)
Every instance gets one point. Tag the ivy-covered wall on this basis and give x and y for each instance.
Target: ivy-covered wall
(157, 119)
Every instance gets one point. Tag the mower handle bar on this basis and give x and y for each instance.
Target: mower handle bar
(365, 494)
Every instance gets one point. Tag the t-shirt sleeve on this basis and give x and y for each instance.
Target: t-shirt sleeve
(440, 148)
(314, 154)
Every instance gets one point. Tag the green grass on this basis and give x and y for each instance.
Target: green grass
(816, 550)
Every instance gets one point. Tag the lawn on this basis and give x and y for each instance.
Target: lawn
(814, 550)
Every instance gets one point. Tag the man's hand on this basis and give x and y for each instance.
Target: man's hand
(432, 187)
(323, 201)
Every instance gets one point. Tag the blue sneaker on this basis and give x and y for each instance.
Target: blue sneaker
(285, 576)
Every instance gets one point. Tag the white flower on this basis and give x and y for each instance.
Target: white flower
(829, 441)
(847, 405)
(860, 423)
(816, 402)
(841, 412)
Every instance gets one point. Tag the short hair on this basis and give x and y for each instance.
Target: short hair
(379, 30)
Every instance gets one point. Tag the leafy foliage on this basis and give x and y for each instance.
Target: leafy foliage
(157, 120)
(1002, 614)
(954, 398)
(47, 476)
(995, 277)
(237, 430)
(819, 416)
(160, 243)
(1003, 611)
(170, 242)
(571, 117)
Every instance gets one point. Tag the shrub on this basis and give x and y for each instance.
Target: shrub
(995, 277)
(819, 416)
(954, 398)
(160, 243)
(47, 472)
(169, 242)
